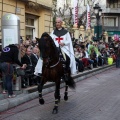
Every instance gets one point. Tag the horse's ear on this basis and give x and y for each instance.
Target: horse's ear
(37, 39)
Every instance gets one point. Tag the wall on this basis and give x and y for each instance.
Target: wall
(43, 13)
(9, 6)
(44, 19)
(43, 2)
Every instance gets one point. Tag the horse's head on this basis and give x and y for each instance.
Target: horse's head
(48, 50)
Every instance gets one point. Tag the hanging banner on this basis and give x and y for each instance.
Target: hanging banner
(88, 17)
(75, 12)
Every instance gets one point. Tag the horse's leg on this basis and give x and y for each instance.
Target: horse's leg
(57, 97)
(66, 92)
(40, 87)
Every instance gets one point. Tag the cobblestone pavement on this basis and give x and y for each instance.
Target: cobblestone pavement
(95, 98)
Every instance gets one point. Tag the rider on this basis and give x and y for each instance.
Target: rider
(63, 41)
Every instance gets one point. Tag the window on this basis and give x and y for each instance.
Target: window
(113, 3)
(31, 24)
(111, 21)
(29, 21)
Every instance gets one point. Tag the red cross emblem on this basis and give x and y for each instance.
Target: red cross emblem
(59, 39)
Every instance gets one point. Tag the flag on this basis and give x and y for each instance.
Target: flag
(75, 12)
(88, 17)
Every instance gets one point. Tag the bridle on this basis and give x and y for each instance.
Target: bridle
(48, 63)
(55, 64)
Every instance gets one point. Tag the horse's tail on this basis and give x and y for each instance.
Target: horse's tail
(71, 83)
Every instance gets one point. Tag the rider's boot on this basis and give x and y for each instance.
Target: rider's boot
(66, 78)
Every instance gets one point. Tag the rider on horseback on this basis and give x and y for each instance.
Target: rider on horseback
(63, 42)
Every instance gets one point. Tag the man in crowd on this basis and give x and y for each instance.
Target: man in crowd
(9, 56)
(27, 59)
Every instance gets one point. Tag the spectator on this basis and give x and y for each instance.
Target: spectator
(9, 56)
(93, 57)
(101, 45)
(79, 62)
(80, 38)
(90, 66)
(90, 46)
(34, 42)
(27, 59)
(23, 48)
(104, 55)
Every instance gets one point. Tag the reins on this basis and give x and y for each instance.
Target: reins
(55, 64)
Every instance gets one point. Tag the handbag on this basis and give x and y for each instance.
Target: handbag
(19, 71)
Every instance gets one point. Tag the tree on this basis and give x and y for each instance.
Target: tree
(61, 12)
(66, 13)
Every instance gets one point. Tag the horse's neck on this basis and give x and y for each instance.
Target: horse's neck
(55, 58)
(54, 55)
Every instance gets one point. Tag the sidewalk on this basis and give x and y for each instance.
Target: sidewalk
(31, 92)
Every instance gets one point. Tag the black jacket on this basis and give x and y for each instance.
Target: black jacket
(26, 60)
(10, 54)
(30, 61)
(34, 60)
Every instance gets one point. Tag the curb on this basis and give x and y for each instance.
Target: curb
(31, 94)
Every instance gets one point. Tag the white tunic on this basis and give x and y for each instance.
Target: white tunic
(67, 48)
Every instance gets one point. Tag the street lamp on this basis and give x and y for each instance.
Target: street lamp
(98, 13)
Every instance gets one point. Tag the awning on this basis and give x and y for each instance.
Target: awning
(111, 33)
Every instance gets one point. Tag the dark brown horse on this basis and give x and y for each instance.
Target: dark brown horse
(52, 69)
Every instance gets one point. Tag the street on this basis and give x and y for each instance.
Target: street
(95, 98)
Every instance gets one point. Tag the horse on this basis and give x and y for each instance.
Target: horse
(52, 70)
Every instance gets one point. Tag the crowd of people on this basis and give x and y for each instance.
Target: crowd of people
(91, 54)
(88, 55)
(29, 55)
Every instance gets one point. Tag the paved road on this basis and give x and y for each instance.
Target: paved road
(95, 98)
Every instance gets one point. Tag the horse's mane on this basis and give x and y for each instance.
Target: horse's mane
(53, 44)
(42, 41)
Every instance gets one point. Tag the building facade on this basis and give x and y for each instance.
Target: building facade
(111, 18)
(35, 16)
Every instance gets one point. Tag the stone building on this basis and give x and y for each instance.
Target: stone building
(111, 16)
(35, 16)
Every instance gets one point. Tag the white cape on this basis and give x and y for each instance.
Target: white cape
(67, 48)
(38, 68)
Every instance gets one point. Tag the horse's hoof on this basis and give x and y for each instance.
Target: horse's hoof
(65, 98)
(41, 101)
(55, 110)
